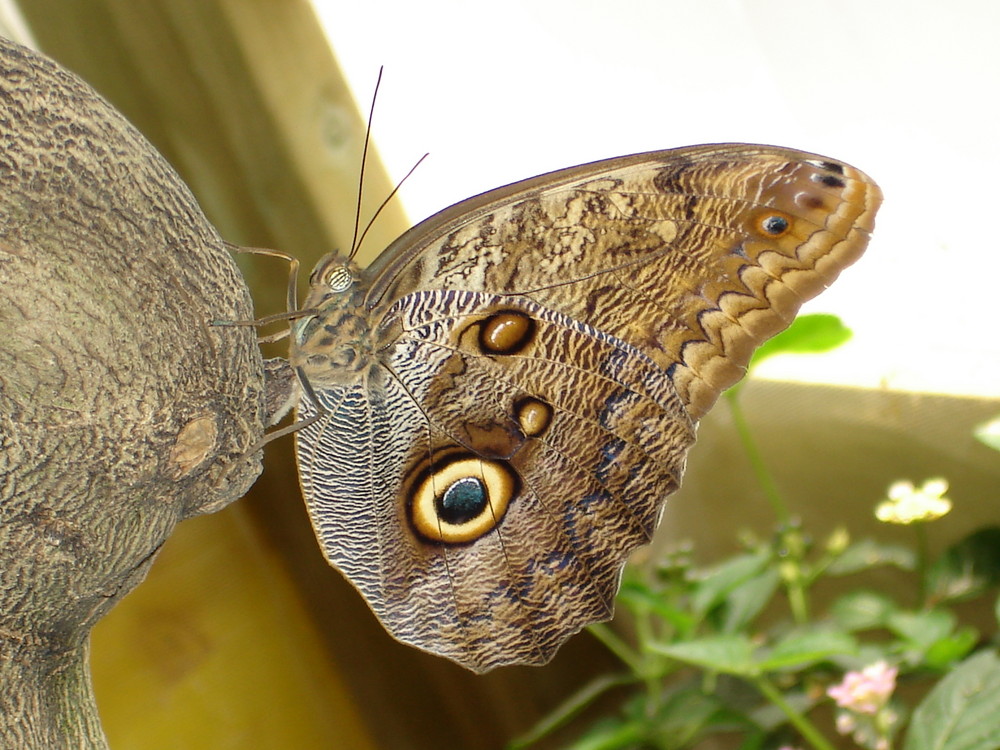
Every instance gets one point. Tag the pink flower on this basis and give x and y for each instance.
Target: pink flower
(867, 691)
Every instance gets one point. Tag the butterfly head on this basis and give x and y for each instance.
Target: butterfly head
(333, 345)
(334, 274)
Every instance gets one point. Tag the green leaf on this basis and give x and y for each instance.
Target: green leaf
(803, 648)
(967, 568)
(922, 629)
(611, 734)
(947, 651)
(867, 654)
(962, 712)
(641, 600)
(862, 610)
(867, 553)
(752, 741)
(729, 654)
(771, 717)
(930, 638)
(808, 334)
(746, 601)
(717, 583)
(988, 433)
(685, 715)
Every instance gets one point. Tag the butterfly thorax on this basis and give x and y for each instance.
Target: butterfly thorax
(334, 345)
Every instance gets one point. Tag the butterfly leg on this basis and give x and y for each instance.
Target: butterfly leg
(291, 299)
(288, 388)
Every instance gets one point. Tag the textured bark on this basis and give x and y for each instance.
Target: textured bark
(122, 409)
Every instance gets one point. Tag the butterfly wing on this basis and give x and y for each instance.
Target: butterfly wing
(566, 465)
(546, 350)
(694, 255)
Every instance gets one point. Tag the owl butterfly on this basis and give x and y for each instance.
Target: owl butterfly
(504, 399)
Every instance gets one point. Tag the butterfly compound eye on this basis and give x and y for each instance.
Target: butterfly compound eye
(338, 278)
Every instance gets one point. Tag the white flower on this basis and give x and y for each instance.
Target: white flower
(908, 504)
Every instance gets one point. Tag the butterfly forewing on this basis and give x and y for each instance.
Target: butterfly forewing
(511, 389)
(648, 247)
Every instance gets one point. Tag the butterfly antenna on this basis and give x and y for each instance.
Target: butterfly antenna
(386, 202)
(364, 160)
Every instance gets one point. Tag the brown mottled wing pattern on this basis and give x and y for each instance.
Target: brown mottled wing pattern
(537, 362)
(664, 250)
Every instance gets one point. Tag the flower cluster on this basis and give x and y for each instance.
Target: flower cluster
(863, 699)
(908, 504)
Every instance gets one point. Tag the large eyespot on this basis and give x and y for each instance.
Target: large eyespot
(460, 498)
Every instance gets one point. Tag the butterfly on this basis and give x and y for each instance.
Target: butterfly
(495, 410)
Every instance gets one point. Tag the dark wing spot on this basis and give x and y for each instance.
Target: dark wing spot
(774, 225)
(462, 501)
(807, 200)
(829, 180)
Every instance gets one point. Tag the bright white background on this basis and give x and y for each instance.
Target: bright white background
(905, 89)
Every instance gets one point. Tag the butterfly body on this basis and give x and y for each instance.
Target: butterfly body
(507, 395)
(336, 346)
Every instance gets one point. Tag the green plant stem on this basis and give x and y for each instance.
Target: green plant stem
(618, 647)
(797, 720)
(760, 469)
(796, 592)
(650, 673)
(797, 599)
(922, 555)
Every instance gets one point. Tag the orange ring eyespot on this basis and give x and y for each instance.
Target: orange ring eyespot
(773, 224)
(461, 498)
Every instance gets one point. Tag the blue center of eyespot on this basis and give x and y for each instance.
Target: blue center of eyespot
(775, 224)
(462, 501)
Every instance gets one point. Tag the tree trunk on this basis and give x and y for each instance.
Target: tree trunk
(123, 409)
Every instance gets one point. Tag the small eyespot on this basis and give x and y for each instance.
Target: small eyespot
(829, 166)
(506, 332)
(773, 224)
(829, 180)
(533, 415)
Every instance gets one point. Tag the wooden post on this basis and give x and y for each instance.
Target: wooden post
(122, 410)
